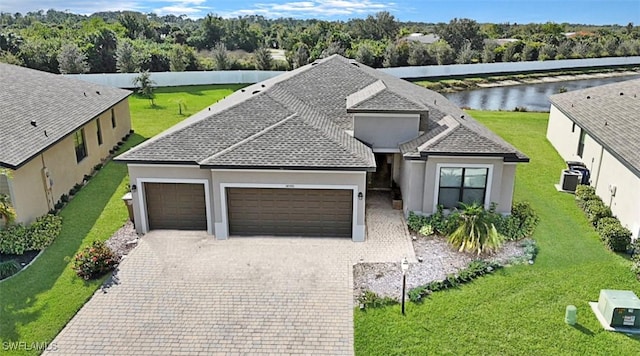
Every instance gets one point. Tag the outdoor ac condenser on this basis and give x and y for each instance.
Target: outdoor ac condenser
(569, 180)
(620, 308)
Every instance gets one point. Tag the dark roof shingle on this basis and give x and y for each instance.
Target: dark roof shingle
(57, 105)
(610, 114)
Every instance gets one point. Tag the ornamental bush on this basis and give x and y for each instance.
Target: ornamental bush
(615, 236)
(596, 210)
(8, 268)
(585, 192)
(18, 238)
(520, 224)
(94, 261)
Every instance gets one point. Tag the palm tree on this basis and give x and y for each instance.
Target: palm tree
(476, 233)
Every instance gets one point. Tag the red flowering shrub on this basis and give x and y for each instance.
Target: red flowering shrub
(94, 261)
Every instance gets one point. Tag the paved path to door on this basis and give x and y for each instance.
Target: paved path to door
(186, 293)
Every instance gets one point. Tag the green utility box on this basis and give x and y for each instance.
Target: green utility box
(620, 308)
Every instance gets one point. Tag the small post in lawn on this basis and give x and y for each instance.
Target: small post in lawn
(405, 266)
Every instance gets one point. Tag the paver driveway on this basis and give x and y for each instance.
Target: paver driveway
(186, 293)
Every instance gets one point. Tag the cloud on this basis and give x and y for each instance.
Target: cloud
(315, 8)
(73, 6)
(182, 7)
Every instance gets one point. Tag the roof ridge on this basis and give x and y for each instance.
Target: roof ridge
(451, 124)
(250, 138)
(366, 93)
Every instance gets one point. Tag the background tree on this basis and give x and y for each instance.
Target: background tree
(71, 60)
(391, 56)
(442, 52)
(177, 59)
(126, 61)
(489, 52)
(301, 56)
(145, 86)
(418, 54)
(221, 58)
(263, 59)
(459, 31)
(466, 54)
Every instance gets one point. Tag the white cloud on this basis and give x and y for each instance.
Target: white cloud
(73, 6)
(182, 7)
(315, 8)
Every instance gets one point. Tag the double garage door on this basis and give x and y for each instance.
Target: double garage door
(254, 211)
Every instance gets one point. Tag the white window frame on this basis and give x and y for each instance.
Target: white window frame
(142, 202)
(487, 195)
(222, 228)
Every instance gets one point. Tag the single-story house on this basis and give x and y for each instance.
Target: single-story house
(600, 127)
(295, 155)
(53, 130)
(428, 38)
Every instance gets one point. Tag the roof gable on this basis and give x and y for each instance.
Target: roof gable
(57, 105)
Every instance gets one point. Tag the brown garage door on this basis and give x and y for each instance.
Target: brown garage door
(178, 206)
(290, 212)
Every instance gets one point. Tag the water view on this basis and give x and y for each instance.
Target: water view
(534, 97)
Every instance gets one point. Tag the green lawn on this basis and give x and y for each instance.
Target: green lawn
(37, 303)
(519, 310)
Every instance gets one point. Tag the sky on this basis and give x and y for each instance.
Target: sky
(598, 12)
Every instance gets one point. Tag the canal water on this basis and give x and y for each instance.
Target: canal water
(533, 97)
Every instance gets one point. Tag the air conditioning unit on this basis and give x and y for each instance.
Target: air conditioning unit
(569, 180)
(620, 308)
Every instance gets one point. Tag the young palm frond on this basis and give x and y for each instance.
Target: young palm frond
(476, 233)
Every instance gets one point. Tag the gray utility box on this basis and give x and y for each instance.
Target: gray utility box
(620, 308)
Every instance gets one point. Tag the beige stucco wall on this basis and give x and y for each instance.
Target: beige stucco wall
(605, 169)
(385, 131)
(418, 182)
(138, 174)
(625, 205)
(30, 197)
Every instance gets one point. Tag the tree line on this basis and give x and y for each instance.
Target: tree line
(124, 41)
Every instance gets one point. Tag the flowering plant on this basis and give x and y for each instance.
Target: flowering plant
(94, 261)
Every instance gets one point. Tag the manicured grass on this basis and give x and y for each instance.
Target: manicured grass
(519, 310)
(37, 303)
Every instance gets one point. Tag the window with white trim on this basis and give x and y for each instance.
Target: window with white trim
(462, 185)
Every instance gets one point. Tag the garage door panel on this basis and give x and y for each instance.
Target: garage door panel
(289, 212)
(176, 206)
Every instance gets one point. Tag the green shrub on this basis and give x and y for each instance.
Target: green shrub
(604, 223)
(596, 210)
(94, 261)
(370, 299)
(426, 230)
(43, 231)
(615, 236)
(415, 221)
(476, 232)
(474, 270)
(16, 239)
(585, 192)
(8, 268)
(520, 224)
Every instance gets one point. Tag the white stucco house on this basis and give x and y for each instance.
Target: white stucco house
(295, 155)
(600, 126)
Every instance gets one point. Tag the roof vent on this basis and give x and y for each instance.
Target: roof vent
(33, 123)
(242, 90)
(255, 92)
(605, 123)
(85, 94)
(621, 93)
(263, 85)
(209, 108)
(97, 92)
(588, 97)
(45, 133)
(462, 116)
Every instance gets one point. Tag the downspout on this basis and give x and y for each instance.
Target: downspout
(595, 184)
(47, 190)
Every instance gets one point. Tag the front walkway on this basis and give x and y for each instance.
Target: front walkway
(186, 293)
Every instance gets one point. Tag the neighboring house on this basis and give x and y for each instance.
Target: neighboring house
(53, 131)
(428, 38)
(501, 41)
(600, 126)
(295, 155)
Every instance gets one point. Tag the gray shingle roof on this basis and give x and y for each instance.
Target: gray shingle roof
(58, 105)
(300, 119)
(609, 114)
